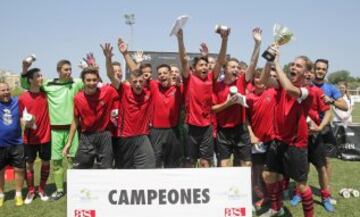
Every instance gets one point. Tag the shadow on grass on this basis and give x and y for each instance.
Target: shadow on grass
(49, 189)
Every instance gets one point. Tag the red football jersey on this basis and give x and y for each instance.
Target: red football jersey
(261, 113)
(198, 99)
(318, 106)
(166, 106)
(235, 114)
(93, 111)
(135, 111)
(290, 118)
(36, 105)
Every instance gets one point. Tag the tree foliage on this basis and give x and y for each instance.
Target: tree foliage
(341, 75)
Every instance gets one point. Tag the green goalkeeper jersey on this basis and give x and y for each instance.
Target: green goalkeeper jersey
(60, 97)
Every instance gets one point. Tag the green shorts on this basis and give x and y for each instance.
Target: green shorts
(58, 141)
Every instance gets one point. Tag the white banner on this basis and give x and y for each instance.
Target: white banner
(213, 192)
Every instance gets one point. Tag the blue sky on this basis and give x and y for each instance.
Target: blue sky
(68, 29)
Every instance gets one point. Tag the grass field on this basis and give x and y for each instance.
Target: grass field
(356, 113)
(345, 174)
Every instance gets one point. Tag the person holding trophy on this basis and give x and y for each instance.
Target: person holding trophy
(232, 136)
(287, 154)
(198, 88)
(34, 111)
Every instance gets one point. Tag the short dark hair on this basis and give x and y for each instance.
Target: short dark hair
(136, 73)
(163, 66)
(231, 60)
(243, 64)
(323, 61)
(197, 59)
(89, 70)
(144, 65)
(30, 74)
(60, 64)
(116, 63)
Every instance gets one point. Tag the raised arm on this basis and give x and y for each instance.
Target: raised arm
(221, 60)
(256, 33)
(185, 67)
(204, 50)
(284, 81)
(124, 51)
(266, 79)
(107, 50)
(23, 81)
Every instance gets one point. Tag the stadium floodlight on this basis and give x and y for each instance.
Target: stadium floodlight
(130, 20)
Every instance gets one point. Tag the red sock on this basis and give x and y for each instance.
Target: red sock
(307, 202)
(296, 192)
(273, 194)
(45, 170)
(30, 180)
(285, 183)
(325, 193)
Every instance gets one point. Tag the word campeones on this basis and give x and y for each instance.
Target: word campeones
(160, 196)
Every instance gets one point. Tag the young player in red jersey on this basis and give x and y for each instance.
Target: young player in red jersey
(261, 102)
(134, 148)
(167, 100)
(198, 89)
(92, 108)
(232, 135)
(287, 154)
(319, 118)
(34, 112)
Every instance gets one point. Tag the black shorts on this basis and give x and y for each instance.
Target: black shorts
(31, 151)
(288, 160)
(329, 141)
(200, 143)
(166, 146)
(94, 146)
(317, 151)
(115, 142)
(235, 141)
(260, 158)
(13, 156)
(135, 153)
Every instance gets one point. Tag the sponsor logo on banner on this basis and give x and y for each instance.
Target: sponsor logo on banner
(235, 212)
(85, 213)
(85, 195)
(234, 193)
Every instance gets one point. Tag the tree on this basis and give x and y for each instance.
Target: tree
(341, 75)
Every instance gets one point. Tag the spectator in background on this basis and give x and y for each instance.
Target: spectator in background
(341, 116)
(11, 148)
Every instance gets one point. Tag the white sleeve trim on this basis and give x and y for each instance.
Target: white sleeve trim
(304, 93)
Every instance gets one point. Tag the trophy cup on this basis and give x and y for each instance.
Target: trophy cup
(282, 35)
(30, 59)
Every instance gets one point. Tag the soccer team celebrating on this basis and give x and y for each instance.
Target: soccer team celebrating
(137, 123)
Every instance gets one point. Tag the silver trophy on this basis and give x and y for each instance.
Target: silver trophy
(282, 35)
(30, 59)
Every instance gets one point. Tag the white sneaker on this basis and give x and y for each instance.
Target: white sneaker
(273, 213)
(43, 196)
(29, 197)
(333, 201)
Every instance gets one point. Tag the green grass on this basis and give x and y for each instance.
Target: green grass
(345, 174)
(356, 113)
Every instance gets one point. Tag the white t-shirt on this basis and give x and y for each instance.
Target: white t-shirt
(344, 116)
